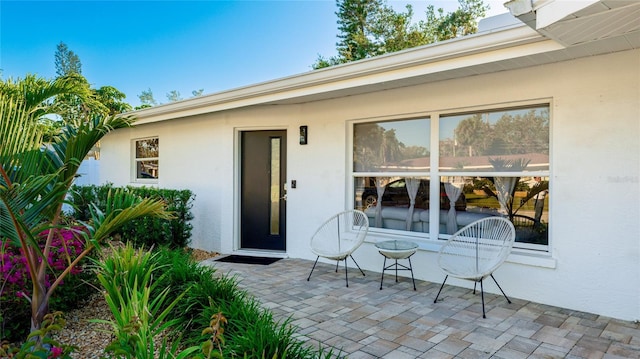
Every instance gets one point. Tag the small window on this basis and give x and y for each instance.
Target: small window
(146, 158)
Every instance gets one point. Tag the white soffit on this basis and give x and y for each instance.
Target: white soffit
(602, 20)
(577, 22)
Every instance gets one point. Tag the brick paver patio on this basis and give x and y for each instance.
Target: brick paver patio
(398, 322)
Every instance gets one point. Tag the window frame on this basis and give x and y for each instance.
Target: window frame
(135, 160)
(429, 240)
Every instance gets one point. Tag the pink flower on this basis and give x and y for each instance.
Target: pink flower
(55, 352)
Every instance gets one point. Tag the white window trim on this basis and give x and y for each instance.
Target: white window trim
(528, 254)
(135, 160)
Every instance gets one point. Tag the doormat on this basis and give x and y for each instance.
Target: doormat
(234, 258)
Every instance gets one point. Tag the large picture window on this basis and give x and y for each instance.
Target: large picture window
(146, 158)
(390, 163)
(489, 163)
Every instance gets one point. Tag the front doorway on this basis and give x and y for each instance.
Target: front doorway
(263, 178)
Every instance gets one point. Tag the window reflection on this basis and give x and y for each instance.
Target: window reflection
(146, 158)
(147, 169)
(386, 146)
(469, 141)
(147, 148)
(524, 200)
(401, 202)
(392, 175)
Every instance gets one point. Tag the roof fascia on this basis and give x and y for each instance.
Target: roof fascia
(550, 12)
(539, 14)
(514, 41)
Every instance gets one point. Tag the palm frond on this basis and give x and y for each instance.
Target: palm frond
(76, 140)
(19, 138)
(37, 92)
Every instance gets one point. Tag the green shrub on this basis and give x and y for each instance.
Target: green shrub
(250, 330)
(146, 231)
(140, 307)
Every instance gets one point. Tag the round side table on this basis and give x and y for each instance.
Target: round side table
(397, 250)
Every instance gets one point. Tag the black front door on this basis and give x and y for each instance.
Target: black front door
(263, 193)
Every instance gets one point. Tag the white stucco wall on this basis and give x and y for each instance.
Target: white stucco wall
(594, 259)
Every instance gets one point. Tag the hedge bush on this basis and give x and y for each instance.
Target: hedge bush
(147, 231)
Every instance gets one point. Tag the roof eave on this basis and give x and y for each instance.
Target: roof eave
(442, 56)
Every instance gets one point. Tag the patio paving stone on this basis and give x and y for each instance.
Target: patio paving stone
(397, 322)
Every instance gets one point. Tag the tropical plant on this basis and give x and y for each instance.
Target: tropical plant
(140, 307)
(35, 180)
(14, 280)
(249, 329)
(33, 348)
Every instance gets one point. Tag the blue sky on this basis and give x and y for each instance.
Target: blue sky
(175, 45)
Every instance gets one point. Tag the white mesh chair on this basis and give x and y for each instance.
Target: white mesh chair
(476, 251)
(339, 237)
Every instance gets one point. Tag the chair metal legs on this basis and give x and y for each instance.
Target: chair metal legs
(345, 268)
(507, 298)
(442, 286)
(346, 275)
(482, 295)
(314, 267)
(474, 291)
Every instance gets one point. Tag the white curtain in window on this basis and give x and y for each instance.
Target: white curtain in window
(504, 188)
(453, 191)
(381, 183)
(412, 190)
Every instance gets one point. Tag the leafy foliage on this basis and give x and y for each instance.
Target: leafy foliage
(173, 96)
(140, 308)
(34, 349)
(106, 99)
(146, 99)
(143, 232)
(249, 330)
(15, 282)
(369, 28)
(112, 99)
(35, 180)
(511, 134)
(377, 146)
(66, 61)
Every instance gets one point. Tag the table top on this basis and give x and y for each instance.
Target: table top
(396, 245)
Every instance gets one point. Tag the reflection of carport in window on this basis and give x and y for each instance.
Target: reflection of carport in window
(539, 199)
(148, 170)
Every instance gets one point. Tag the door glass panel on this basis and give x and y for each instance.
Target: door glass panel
(275, 187)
